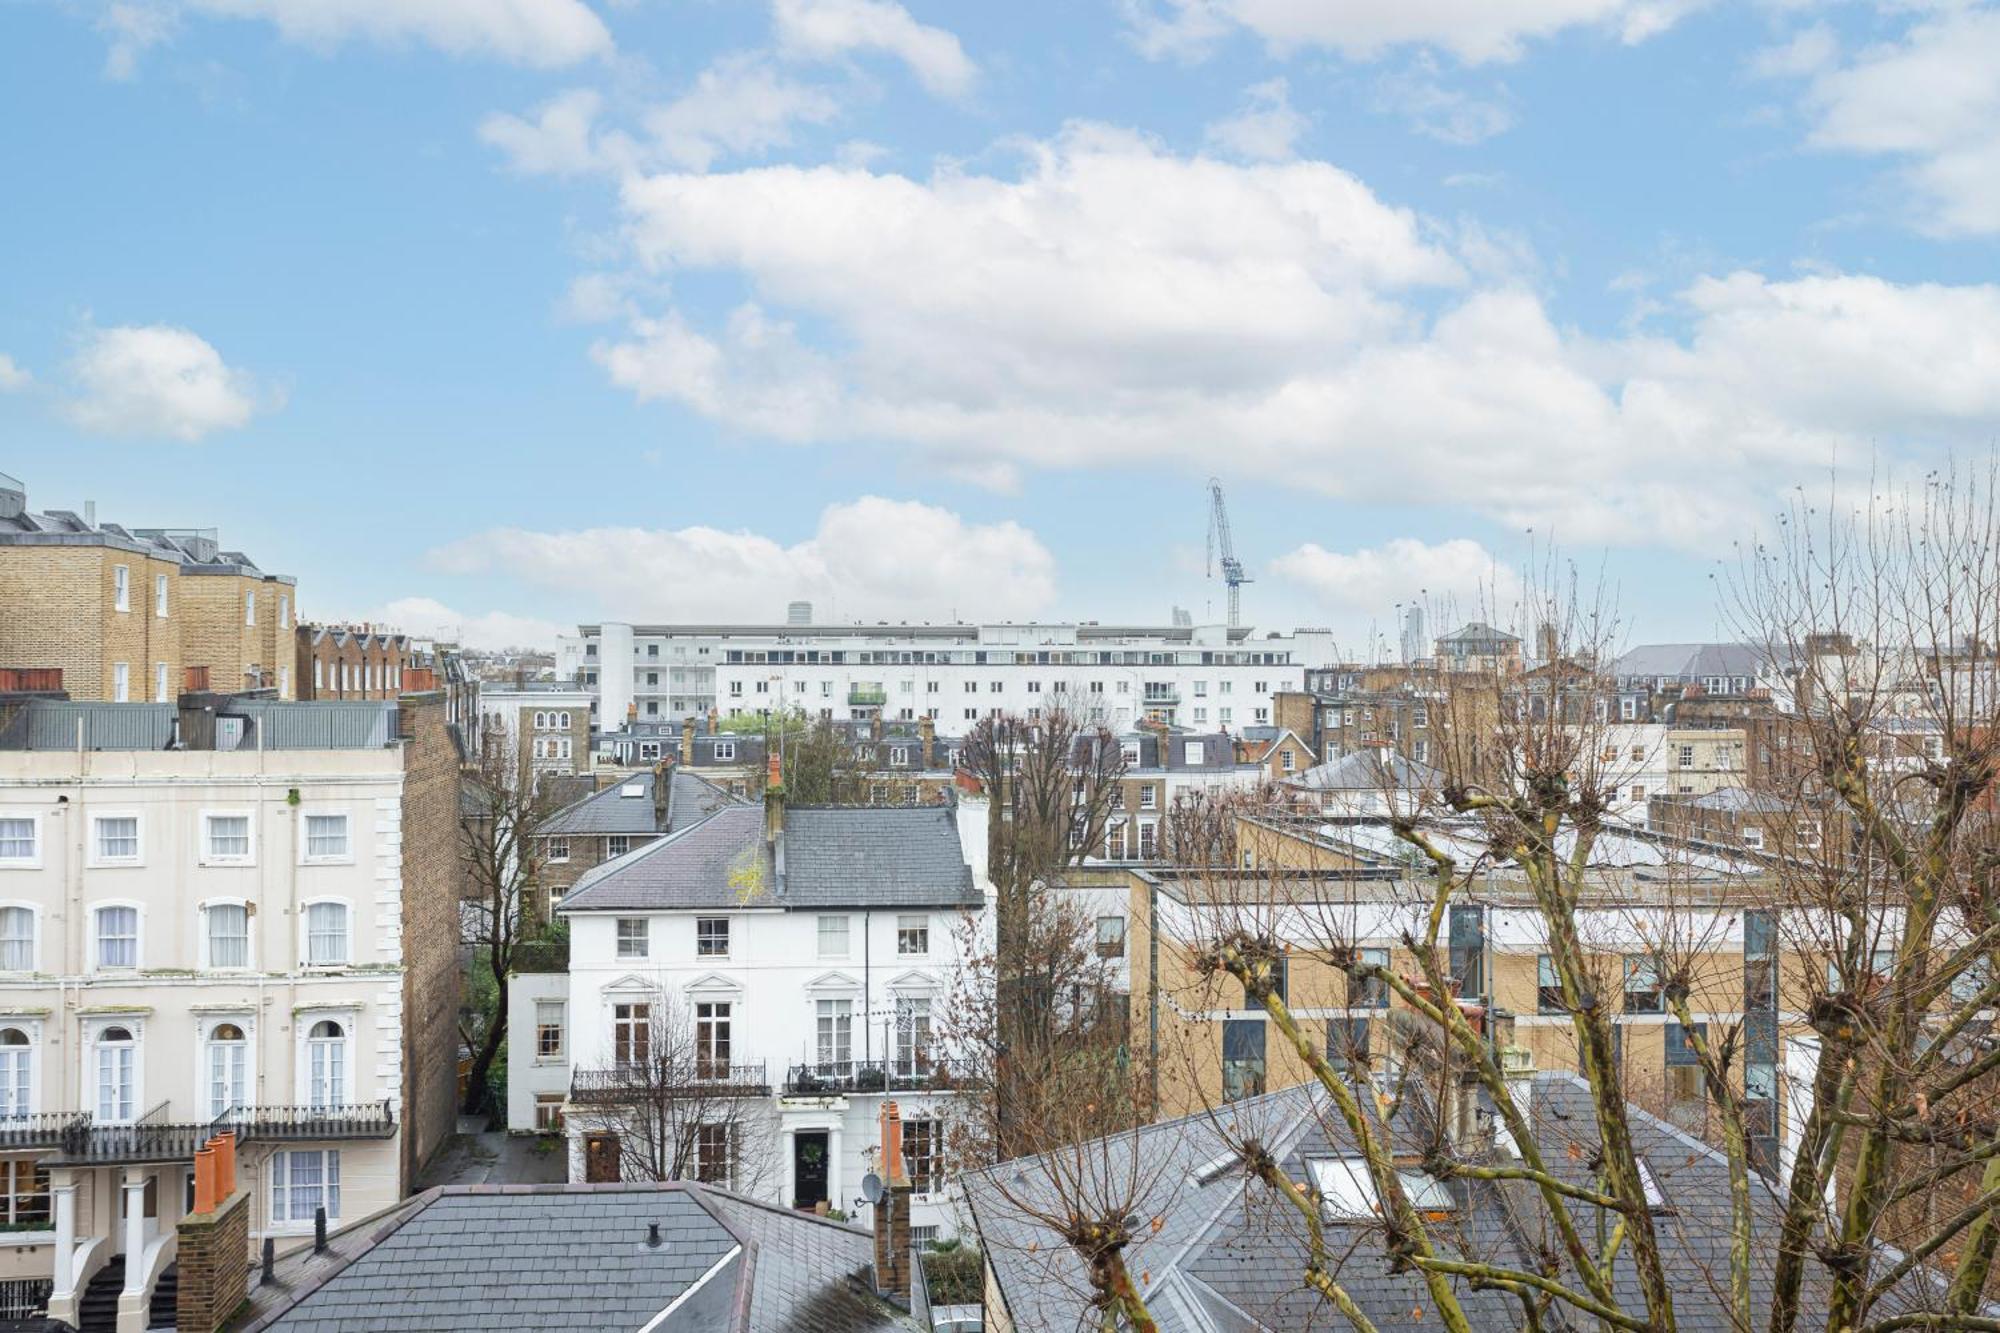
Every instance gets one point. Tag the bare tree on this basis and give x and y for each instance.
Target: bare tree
(500, 809)
(1051, 782)
(681, 1110)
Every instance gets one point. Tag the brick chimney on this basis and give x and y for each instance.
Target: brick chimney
(927, 733)
(892, 1214)
(662, 788)
(214, 1242)
(774, 800)
(687, 739)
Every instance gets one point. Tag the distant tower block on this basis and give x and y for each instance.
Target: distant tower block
(799, 613)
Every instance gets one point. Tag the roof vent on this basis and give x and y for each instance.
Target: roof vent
(653, 1241)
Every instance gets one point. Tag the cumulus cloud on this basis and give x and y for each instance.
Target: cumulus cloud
(740, 105)
(157, 380)
(1437, 111)
(541, 33)
(1458, 574)
(1475, 31)
(131, 28)
(13, 376)
(1264, 129)
(829, 29)
(426, 617)
(1929, 99)
(868, 558)
(1111, 302)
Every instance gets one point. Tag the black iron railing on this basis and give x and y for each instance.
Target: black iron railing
(36, 1131)
(902, 1075)
(25, 1297)
(278, 1124)
(619, 1083)
(153, 1138)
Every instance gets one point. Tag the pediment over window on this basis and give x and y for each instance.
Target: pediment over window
(833, 981)
(713, 983)
(914, 983)
(630, 984)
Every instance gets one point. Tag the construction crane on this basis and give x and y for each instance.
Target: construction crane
(1219, 544)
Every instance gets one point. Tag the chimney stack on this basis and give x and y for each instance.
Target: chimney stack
(213, 1241)
(687, 739)
(892, 1214)
(927, 732)
(1517, 1066)
(774, 800)
(662, 788)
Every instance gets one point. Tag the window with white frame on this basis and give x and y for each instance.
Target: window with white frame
(17, 1074)
(725, 751)
(833, 933)
(835, 1032)
(326, 838)
(249, 608)
(326, 934)
(225, 839)
(115, 839)
(921, 1151)
(121, 682)
(162, 684)
(226, 934)
(913, 1035)
(160, 596)
(715, 1154)
(117, 937)
(549, 1029)
(913, 935)
(617, 845)
(326, 1064)
(713, 1025)
(18, 844)
(227, 1081)
(631, 1033)
(632, 936)
(121, 588)
(284, 611)
(1111, 937)
(711, 937)
(117, 1067)
(17, 939)
(303, 1182)
(556, 850)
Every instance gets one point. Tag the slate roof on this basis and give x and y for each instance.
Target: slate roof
(1478, 632)
(1369, 770)
(829, 856)
(690, 800)
(1688, 661)
(1228, 1256)
(578, 1257)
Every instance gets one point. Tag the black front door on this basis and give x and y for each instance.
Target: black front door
(809, 1168)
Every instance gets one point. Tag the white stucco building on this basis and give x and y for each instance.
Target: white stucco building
(1201, 676)
(806, 953)
(196, 939)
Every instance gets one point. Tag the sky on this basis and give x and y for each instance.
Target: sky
(487, 317)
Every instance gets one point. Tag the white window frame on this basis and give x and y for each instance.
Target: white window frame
(284, 611)
(208, 963)
(93, 1078)
(32, 861)
(309, 813)
(32, 1059)
(160, 605)
(163, 690)
(555, 849)
(246, 1022)
(121, 588)
(34, 912)
(138, 935)
(305, 932)
(846, 934)
(121, 682)
(250, 607)
(207, 858)
(349, 1020)
(619, 939)
(95, 853)
(561, 1054)
(725, 752)
(280, 1167)
(913, 921)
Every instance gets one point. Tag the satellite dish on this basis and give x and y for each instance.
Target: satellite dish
(871, 1188)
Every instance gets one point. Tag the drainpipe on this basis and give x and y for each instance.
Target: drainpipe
(867, 994)
(1153, 988)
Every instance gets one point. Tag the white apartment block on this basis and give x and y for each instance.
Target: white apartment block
(806, 954)
(1202, 676)
(195, 940)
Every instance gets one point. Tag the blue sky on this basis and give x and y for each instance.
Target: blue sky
(502, 314)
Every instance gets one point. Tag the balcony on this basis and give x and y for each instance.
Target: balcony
(832, 1078)
(154, 1138)
(616, 1084)
(873, 695)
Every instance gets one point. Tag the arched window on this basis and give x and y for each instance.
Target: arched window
(541, 722)
(562, 721)
(326, 934)
(228, 1063)
(117, 1076)
(326, 1064)
(16, 1094)
(17, 939)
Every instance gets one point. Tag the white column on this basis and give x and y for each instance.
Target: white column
(135, 1235)
(788, 1148)
(65, 1269)
(834, 1198)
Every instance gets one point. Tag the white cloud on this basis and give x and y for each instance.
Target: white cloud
(1806, 52)
(13, 376)
(1266, 127)
(541, 33)
(829, 29)
(1932, 100)
(1112, 303)
(1475, 31)
(1458, 576)
(133, 27)
(1449, 115)
(868, 558)
(426, 617)
(157, 380)
(740, 105)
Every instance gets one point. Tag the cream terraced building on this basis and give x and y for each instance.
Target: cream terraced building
(203, 939)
